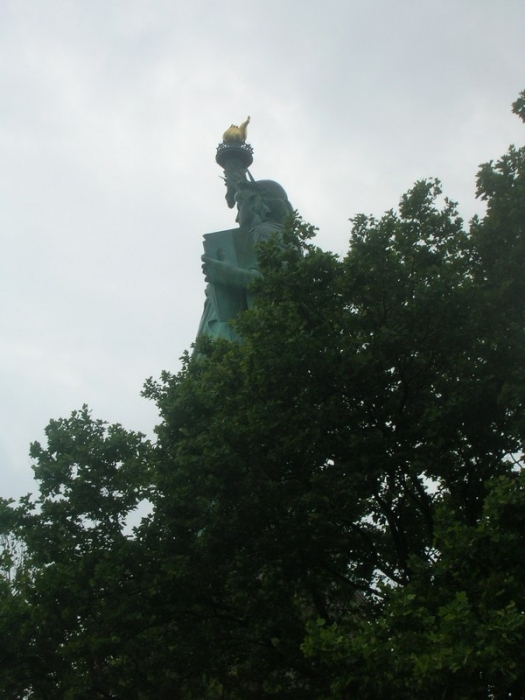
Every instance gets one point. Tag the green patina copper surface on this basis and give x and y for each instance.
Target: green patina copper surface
(230, 259)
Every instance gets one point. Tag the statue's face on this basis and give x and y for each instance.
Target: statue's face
(245, 211)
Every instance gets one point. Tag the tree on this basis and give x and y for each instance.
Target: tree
(335, 503)
(455, 628)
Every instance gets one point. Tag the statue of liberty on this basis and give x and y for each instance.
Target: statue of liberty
(230, 257)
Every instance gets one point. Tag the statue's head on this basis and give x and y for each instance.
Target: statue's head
(261, 201)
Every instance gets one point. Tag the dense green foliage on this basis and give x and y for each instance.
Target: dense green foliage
(336, 505)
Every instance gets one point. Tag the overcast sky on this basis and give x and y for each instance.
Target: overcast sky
(111, 111)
